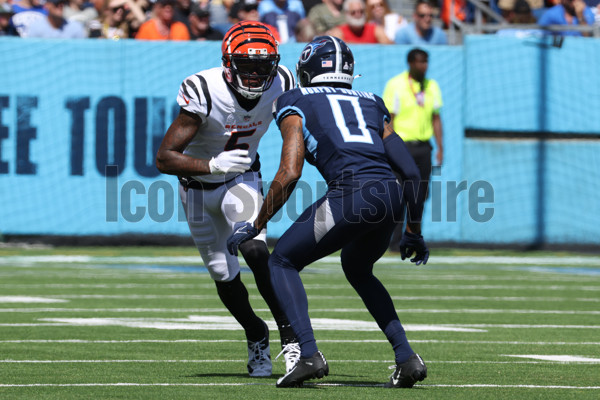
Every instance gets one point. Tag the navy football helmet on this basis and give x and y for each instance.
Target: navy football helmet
(326, 61)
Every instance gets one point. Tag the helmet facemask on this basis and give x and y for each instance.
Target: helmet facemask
(251, 74)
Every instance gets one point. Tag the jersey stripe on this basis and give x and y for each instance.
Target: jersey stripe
(288, 79)
(206, 93)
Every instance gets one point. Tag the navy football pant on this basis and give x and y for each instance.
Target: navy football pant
(359, 222)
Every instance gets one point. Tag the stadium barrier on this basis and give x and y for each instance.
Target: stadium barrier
(80, 122)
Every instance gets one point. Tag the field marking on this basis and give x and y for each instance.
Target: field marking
(29, 299)
(562, 358)
(203, 322)
(548, 361)
(331, 310)
(471, 386)
(175, 341)
(308, 286)
(319, 297)
(196, 260)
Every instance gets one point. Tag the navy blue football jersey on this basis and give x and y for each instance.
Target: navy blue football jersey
(342, 131)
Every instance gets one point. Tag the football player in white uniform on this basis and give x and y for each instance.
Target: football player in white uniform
(212, 147)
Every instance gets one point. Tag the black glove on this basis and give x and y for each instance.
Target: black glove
(414, 243)
(240, 235)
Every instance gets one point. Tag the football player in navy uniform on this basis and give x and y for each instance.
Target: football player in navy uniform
(212, 147)
(347, 135)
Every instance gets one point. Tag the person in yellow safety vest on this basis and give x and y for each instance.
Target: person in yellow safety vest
(414, 103)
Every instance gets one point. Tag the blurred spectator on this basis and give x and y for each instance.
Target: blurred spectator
(596, 12)
(220, 11)
(80, 10)
(309, 4)
(26, 12)
(520, 14)
(463, 11)
(200, 28)
(115, 23)
(326, 15)
(267, 6)
(54, 25)
(162, 26)
(421, 31)
(6, 28)
(282, 17)
(569, 12)
(247, 10)
(507, 8)
(357, 29)
(182, 10)
(378, 12)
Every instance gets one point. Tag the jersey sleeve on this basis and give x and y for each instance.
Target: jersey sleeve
(285, 105)
(287, 78)
(194, 96)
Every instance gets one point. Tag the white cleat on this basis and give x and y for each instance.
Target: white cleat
(291, 354)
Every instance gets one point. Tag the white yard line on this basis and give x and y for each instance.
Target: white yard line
(174, 341)
(309, 286)
(471, 386)
(196, 260)
(330, 310)
(546, 361)
(319, 297)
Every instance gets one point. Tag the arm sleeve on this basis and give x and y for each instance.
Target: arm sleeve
(404, 164)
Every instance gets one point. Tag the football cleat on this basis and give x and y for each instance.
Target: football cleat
(408, 373)
(306, 368)
(259, 357)
(291, 354)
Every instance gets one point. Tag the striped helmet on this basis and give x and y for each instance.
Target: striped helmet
(250, 58)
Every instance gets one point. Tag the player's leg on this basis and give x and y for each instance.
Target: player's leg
(241, 203)
(209, 230)
(358, 258)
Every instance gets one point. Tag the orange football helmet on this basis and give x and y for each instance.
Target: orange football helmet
(250, 58)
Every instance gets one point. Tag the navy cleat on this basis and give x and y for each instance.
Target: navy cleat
(408, 373)
(306, 368)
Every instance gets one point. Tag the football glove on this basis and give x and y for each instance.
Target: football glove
(230, 161)
(243, 233)
(414, 243)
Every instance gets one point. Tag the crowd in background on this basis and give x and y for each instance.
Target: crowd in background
(354, 21)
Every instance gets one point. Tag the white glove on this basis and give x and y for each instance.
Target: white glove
(230, 161)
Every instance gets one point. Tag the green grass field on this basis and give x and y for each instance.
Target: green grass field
(146, 323)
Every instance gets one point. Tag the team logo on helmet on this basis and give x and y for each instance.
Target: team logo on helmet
(310, 49)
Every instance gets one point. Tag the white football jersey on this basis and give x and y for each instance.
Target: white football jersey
(225, 125)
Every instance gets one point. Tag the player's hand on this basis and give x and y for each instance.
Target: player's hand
(230, 161)
(414, 243)
(241, 234)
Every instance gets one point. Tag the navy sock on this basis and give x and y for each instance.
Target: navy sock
(397, 337)
(292, 298)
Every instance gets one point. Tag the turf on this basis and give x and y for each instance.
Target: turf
(132, 323)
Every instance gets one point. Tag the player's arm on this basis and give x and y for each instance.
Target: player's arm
(402, 162)
(437, 132)
(290, 170)
(171, 160)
